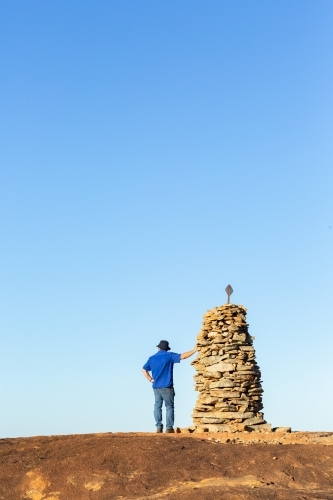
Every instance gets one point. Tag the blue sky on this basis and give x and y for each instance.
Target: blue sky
(151, 153)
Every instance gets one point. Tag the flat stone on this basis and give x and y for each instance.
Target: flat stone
(217, 339)
(222, 383)
(213, 333)
(204, 408)
(282, 429)
(254, 421)
(211, 421)
(208, 401)
(245, 368)
(220, 394)
(229, 394)
(241, 337)
(211, 360)
(258, 428)
(232, 347)
(234, 361)
(220, 428)
(228, 415)
(226, 407)
(246, 372)
(216, 375)
(220, 367)
(238, 402)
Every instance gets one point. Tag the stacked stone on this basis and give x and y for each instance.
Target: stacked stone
(228, 377)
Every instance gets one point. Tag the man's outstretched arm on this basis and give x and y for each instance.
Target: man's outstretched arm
(147, 375)
(188, 353)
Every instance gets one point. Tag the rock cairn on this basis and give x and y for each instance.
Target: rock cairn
(228, 377)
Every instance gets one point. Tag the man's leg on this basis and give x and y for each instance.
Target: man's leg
(158, 408)
(169, 398)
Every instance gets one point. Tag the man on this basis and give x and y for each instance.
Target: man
(161, 367)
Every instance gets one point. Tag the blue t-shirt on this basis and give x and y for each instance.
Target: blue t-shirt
(161, 367)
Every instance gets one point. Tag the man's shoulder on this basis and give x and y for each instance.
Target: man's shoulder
(154, 356)
(173, 357)
(164, 354)
(170, 354)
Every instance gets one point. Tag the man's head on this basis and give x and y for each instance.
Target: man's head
(164, 345)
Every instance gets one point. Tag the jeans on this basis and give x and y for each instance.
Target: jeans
(167, 395)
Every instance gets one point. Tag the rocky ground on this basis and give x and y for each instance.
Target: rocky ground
(174, 466)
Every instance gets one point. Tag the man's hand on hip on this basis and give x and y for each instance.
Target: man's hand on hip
(147, 375)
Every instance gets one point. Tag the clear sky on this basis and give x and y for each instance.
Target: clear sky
(153, 152)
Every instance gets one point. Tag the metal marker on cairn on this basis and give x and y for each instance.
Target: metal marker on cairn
(228, 378)
(229, 291)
